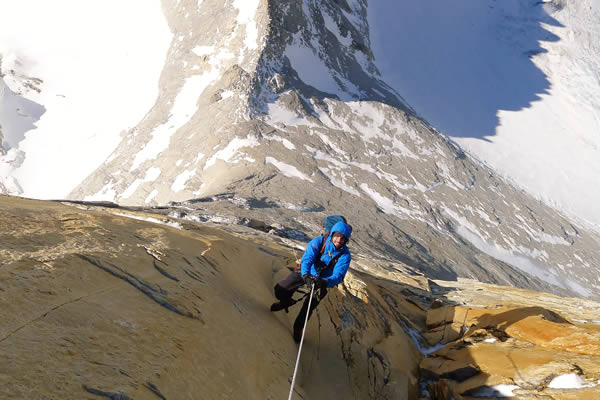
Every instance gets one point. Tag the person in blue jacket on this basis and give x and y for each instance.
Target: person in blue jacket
(324, 264)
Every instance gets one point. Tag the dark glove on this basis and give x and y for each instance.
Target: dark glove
(320, 284)
(309, 279)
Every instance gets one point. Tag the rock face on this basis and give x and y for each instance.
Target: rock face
(111, 303)
(95, 304)
(522, 347)
(284, 114)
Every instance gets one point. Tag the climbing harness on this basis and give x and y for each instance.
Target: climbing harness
(312, 288)
(332, 262)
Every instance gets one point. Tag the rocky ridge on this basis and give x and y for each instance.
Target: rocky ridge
(120, 303)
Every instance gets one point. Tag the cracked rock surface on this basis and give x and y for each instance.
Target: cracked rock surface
(96, 305)
(108, 302)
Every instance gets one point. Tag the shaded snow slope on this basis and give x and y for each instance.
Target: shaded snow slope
(516, 83)
(76, 74)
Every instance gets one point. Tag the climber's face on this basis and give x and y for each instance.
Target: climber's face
(338, 240)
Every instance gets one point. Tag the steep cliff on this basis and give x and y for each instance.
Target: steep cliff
(113, 303)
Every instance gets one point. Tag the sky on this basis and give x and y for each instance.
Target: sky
(515, 83)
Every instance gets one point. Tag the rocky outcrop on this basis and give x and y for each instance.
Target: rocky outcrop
(111, 302)
(519, 343)
(547, 335)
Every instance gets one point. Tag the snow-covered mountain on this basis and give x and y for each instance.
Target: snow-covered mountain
(515, 82)
(285, 111)
(73, 76)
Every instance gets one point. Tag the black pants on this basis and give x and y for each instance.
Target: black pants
(284, 291)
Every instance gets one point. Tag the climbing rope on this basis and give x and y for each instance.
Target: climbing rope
(312, 288)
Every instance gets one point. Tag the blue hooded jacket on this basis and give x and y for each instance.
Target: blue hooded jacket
(310, 264)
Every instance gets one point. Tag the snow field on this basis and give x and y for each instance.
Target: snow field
(231, 153)
(287, 170)
(97, 82)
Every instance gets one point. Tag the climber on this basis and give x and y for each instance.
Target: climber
(324, 264)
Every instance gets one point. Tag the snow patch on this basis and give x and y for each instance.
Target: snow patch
(246, 14)
(203, 50)
(199, 157)
(332, 27)
(226, 94)
(338, 183)
(181, 179)
(231, 152)
(287, 170)
(184, 107)
(319, 155)
(151, 176)
(546, 238)
(421, 343)
(131, 189)
(280, 114)
(569, 381)
(386, 205)
(153, 220)
(286, 143)
(107, 193)
(514, 257)
(151, 196)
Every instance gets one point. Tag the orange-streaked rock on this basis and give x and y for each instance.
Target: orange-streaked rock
(523, 346)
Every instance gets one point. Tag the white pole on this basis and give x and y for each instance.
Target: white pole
(301, 341)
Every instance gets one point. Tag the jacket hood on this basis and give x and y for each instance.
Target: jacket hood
(342, 228)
